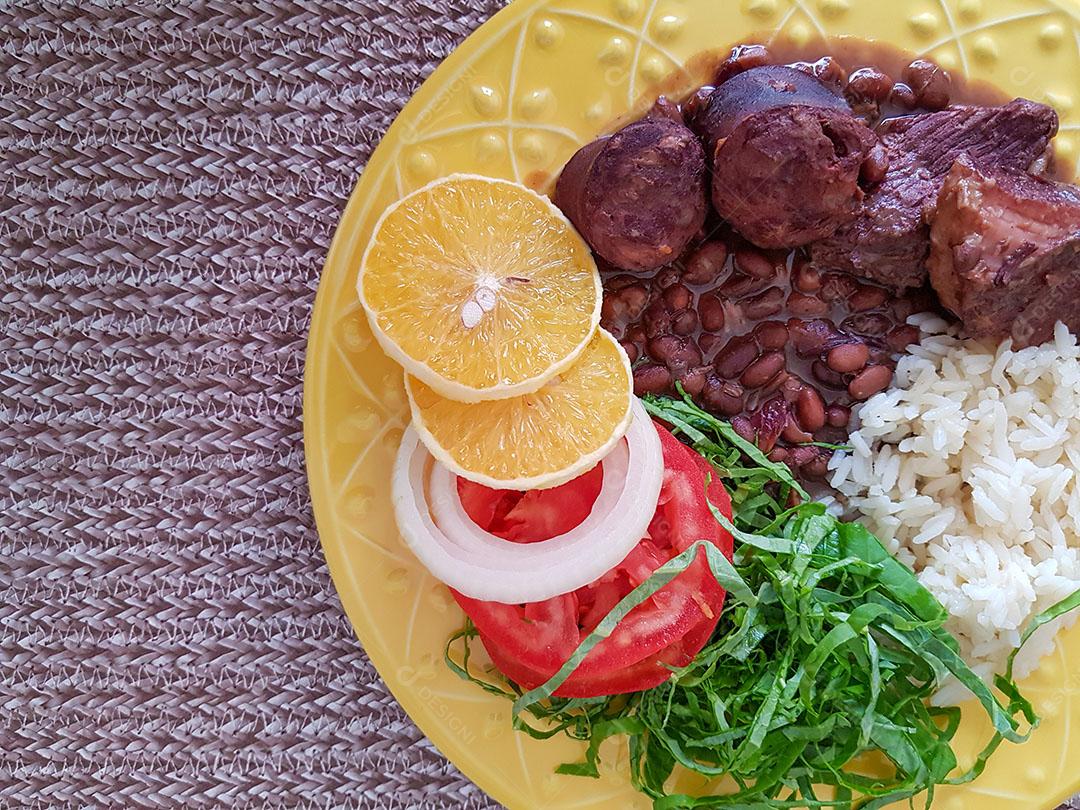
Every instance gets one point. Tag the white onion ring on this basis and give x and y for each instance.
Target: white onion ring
(450, 515)
(483, 566)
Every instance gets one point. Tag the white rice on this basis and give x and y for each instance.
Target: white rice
(968, 470)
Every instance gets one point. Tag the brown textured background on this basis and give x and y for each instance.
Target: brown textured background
(172, 176)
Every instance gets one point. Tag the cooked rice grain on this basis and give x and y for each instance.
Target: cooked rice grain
(967, 470)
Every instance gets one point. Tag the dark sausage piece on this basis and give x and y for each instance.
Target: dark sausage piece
(638, 196)
(787, 156)
(757, 90)
(790, 176)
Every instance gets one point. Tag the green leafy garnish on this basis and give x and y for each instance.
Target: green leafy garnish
(817, 679)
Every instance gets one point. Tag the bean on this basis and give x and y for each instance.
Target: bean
(666, 108)
(663, 347)
(865, 91)
(880, 356)
(651, 379)
(867, 297)
(693, 381)
(806, 305)
(795, 435)
(676, 353)
(771, 335)
(705, 264)
(657, 319)
(636, 334)
(695, 105)
(742, 58)
(666, 277)
(803, 455)
(829, 71)
(838, 416)
(838, 287)
(755, 264)
(743, 427)
(903, 96)
(876, 165)
(901, 337)
(711, 312)
(631, 350)
(616, 283)
(685, 322)
(932, 85)
(763, 370)
(827, 377)
(764, 305)
(807, 278)
(868, 84)
(818, 468)
(870, 324)
(872, 380)
(710, 343)
(791, 387)
(626, 303)
(848, 357)
(678, 296)
(609, 313)
(723, 397)
(810, 410)
(733, 359)
(778, 455)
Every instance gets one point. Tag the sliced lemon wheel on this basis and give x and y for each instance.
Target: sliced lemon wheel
(537, 440)
(480, 288)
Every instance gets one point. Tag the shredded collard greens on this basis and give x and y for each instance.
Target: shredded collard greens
(818, 674)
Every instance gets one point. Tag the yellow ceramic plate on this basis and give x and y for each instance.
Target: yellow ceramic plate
(516, 100)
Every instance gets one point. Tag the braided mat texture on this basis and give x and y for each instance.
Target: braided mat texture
(172, 176)
(173, 172)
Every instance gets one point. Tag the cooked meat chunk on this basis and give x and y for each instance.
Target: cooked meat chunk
(638, 196)
(789, 176)
(787, 155)
(890, 241)
(1006, 252)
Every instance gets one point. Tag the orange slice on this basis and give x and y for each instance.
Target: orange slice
(480, 288)
(537, 440)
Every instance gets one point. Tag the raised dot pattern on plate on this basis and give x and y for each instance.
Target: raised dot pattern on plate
(596, 58)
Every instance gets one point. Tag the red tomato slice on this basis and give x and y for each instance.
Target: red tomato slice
(529, 517)
(529, 643)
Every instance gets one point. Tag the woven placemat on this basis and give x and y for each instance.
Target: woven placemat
(173, 173)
